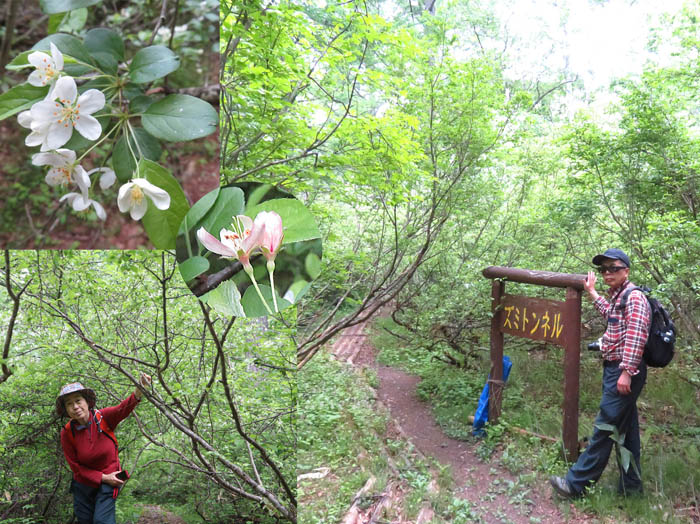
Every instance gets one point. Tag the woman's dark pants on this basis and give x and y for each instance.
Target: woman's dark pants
(93, 505)
(620, 411)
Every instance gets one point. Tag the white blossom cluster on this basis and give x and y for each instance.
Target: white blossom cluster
(52, 122)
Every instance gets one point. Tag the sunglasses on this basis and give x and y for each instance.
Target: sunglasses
(610, 269)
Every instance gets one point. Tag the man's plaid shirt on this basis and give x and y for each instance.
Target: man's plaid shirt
(627, 331)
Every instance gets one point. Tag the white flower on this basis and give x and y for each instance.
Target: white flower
(62, 162)
(108, 176)
(65, 171)
(48, 68)
(132, 197)
(52, 121)
(81, 202)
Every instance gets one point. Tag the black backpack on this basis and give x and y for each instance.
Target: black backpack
(659, 348)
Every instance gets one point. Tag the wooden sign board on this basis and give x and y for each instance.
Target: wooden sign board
(533, 318)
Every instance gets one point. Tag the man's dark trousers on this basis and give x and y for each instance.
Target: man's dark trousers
(620, 411)
(93, 505)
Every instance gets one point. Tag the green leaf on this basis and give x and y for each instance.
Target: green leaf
(67, 44)
(226, 299)
(140, 103)
(70, 22)
(151, 63)
(254, 307)
(61, 6)
(606, 427)
(200, 208)
(193, 267)
(145, 146)
(20, 61)
(298, 289)
(228, 203)
(312, 265)
(107, 41)
(257, 195)
(625, 458)
(180, 117)
(106, 47)
(162, 226)
(298, 222)
(19, 98)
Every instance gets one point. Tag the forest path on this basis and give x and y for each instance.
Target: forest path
(158, 515)
(496, 494)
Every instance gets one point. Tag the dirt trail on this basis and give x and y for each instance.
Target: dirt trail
(157, 515)
(495, 492)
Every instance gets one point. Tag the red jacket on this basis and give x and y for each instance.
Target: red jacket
(94, 453)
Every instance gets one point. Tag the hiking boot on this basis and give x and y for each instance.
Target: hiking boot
(561, 487)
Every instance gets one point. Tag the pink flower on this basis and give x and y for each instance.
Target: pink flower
(272, 238)
(238, 243)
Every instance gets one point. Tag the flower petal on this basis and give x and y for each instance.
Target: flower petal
(59, 158)
(82, 180)
(255, 238)
(58, 135)
(36, 138)
(39, 59)
(45, 111)
(212, 244)
(89, 127)
(99, 210)
(108, 176)
(55, 177)
(80, 203)
(66, 89)
(160, 197)
(138, 209)
(25, 119)
(37, 78)
(69, 196)
(57, 56)
(90, 101)
(124, 197)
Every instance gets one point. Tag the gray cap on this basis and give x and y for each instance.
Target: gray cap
(615, 254)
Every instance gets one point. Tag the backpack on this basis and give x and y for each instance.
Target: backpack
(658, 351)
(102, 427)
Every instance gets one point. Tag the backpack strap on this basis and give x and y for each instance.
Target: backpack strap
(629, 290)
(102, 427)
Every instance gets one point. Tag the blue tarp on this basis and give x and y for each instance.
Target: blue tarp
(482, 411)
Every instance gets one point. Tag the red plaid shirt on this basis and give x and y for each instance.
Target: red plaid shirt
(627, 331)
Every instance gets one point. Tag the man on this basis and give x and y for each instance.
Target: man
(624, 375)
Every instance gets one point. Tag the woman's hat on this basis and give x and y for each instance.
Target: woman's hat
(75, 387)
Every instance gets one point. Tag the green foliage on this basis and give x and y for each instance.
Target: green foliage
(141, 319)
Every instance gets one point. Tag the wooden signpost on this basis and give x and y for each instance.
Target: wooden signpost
(550, 321)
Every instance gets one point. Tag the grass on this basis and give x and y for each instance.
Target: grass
(341, 428)
(669, 417)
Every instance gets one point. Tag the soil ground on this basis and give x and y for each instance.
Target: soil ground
(157, 515)
(484, 485)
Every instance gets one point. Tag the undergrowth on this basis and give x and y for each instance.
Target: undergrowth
(343, 429)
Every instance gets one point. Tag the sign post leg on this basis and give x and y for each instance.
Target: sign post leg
(572, 359)
(496, 380)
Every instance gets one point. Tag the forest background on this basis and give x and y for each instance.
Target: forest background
(433, 140)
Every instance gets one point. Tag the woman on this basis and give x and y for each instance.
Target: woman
(91, 450)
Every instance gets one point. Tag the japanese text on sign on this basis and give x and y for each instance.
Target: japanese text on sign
(534, 318)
